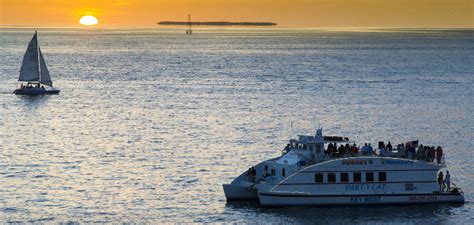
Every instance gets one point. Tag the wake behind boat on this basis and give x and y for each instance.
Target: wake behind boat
(314, 171)
(35, 72)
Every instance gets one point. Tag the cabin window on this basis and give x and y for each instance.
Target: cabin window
(382, 176)
(283, 172)
(344, 177)
(318, 178)
(357, 177)
(369, 177)
(331, 178)
(273, 172)
(266, 168)
(409, 187)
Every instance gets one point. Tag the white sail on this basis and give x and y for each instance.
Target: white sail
(30, 68)
(44, 78)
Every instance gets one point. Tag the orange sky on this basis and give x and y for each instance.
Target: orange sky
(294, 13)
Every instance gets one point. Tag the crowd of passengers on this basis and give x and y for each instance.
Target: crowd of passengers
(31, 86)
(410, 150)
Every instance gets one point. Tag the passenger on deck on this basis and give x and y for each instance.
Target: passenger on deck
(411, 151)
(439, 154)
(432, 153)
(447, 181)
(330, 148)
(340, 150)
(440, 181)
(389, 146)
(354, 149)
(366, 150)
(420, 153)
(383, 151)
(371, 149)
(401, 151)
(334, 148)
(427, 154)
(382, 145)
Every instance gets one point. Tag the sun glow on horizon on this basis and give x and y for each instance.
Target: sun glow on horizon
(89, 20)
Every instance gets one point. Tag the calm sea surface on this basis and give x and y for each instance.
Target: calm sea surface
(150, 123)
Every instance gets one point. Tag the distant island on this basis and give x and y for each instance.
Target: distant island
(218, 23)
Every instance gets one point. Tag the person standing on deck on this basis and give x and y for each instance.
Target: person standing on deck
(447, 181)
(389, 147)
(432, 153)
(440, 181)
(420, 153)
(439, 154)
(371, 150)
(401, 151)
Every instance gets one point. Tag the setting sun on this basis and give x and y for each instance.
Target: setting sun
(89, 20)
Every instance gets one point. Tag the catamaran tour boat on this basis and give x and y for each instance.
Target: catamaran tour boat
(34, 72)
(305, 174)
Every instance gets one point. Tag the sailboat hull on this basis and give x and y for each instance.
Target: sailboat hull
(35, 91)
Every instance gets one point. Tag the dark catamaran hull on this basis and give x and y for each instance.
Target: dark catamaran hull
(35, 91)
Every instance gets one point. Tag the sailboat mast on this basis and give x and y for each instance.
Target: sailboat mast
(38, 54)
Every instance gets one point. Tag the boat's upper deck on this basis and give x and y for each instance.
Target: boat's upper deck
(336, 147)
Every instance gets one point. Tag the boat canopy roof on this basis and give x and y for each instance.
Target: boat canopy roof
(308, 139)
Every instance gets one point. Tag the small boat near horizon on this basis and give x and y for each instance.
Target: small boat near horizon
(311, 172)
(35, 72)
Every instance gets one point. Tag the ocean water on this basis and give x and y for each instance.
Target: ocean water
(150, 123)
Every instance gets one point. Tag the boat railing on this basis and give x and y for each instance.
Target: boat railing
(394, 155)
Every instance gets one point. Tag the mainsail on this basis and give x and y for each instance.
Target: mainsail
(30, 68)
(44, 78)
(34, 67)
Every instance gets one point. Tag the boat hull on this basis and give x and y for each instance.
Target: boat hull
(235, 193)
(35, 91)
(291, 199)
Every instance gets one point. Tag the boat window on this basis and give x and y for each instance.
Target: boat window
(331, 178)
(273, 172)
(283, 172)
(357, 177)
(382, 176)
(409, 187)
(344, 177)
(266, 168)
(369, 177)
(318, 178)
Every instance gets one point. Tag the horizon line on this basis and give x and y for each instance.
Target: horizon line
(226, 27)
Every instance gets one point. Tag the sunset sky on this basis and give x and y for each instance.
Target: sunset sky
(287, 13)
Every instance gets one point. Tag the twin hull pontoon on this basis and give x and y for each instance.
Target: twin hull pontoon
(351, 180)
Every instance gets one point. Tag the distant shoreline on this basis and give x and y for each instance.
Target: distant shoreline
(218, 23)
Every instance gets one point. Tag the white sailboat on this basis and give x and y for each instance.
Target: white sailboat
(34, 72)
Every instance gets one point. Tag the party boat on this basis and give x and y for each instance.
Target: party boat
(307, 174)
(35, 72)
